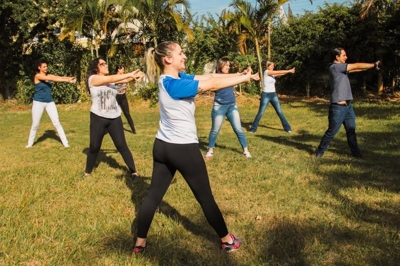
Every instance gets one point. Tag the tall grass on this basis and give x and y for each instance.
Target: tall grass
(288, 207)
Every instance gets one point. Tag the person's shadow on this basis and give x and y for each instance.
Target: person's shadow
(103, 157)
(139, 187)
(48, 134)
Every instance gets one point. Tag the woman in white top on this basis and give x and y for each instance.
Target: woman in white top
(176, 147)
(105, 114)
(269, 95)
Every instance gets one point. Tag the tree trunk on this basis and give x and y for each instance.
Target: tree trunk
(308, 90)
(380, 83)
(259, 62)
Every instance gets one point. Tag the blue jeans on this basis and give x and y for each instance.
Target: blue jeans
(218, 114)
(339, 115)
(267, 97)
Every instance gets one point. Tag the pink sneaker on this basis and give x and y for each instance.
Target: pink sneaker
(230, 247)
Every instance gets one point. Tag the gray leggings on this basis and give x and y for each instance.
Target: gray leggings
(187, 159)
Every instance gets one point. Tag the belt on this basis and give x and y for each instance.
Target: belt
(347, 103)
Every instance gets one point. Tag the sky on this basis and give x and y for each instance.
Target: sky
(216, 6)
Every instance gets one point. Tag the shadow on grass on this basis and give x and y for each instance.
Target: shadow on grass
(48, 134)
(165, 250)
(298, 141)
(296, 242)
(103, 157)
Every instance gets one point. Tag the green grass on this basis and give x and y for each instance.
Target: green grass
(336, 210)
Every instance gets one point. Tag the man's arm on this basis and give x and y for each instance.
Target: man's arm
(357, 67)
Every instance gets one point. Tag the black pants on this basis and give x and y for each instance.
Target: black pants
(98, 127)
(123, 103)
(187, 159)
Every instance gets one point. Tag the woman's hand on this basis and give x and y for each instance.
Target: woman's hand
(72, 80)
(256, 76)
(137, 74)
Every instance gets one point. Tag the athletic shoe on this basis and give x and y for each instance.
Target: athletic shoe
(230, 247)
(139, 249)
(318, 154)
(209, 155)
(247, 154)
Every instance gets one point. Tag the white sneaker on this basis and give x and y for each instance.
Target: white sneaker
(247, 154)
(209, 155)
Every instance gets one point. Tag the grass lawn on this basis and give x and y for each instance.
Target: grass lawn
(288, 207)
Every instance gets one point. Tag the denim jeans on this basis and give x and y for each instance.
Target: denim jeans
(218, 114)
(339, 115)
(267, 97)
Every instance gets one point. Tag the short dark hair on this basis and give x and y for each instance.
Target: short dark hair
(38, 63)
(118, 67)
(337, 51)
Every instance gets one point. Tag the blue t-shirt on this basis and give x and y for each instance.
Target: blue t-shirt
(43, 92)
(340, 83)
(225, 96)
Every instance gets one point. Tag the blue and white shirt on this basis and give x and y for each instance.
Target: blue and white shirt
(177, 108)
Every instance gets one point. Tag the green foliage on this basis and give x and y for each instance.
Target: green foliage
(64, 60)
(149, 93)
(252, 88)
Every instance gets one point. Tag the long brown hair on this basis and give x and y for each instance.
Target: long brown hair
(221, 63)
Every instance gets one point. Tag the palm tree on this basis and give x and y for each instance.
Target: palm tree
(253, 24)
(163, 17)
(154, 13)
(87, 18)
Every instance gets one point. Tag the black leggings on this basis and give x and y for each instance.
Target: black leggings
(187, 159)
(98, 127)
(123, 103)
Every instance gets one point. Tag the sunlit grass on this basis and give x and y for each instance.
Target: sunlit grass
(288, 207)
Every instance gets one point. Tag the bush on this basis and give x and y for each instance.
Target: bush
(150, 93)
(64, 60)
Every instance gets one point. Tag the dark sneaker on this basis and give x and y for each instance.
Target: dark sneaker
(358, 155)
(318, 154)
(227, 247)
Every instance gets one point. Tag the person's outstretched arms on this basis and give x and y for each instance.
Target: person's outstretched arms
(358, 67)
(55, 78)
(278, 73)
(217, 83)
(99, 80)
(137, 75)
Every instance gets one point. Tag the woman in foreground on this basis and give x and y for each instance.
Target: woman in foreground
(176, 145)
